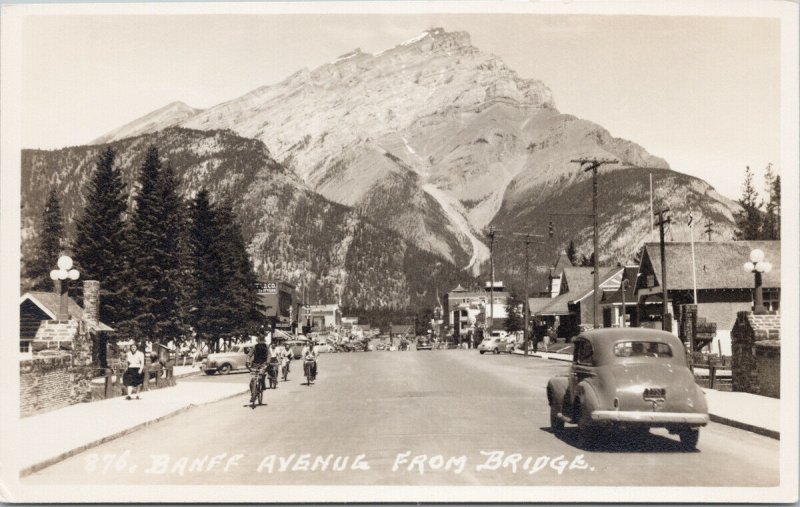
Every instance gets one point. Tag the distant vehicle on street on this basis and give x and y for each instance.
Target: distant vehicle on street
(633, 379)
(495, 345)
(225, 362)
(295, 347)
(424, 344)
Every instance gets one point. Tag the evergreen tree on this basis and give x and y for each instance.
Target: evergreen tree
(239, 279)
(515, 320)
(748, 220)
(572, 255)
(158, 294)
(100, 248)
(206, 313)
(587, 262)
(775, 198)
(48, 247)
(770, 227)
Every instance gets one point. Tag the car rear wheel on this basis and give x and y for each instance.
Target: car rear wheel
(588, 433)
(556, 423)
(496, 350)
(210, 372)
(689, 438)
(483, 352)
(224, 369)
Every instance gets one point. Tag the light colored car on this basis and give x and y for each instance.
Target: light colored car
(495, 345)
(632, 379)
(423, 343)
(225, 362)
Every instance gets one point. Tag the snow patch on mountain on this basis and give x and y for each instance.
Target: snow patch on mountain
(456, 214)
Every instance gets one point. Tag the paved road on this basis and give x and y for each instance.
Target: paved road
(459, 409)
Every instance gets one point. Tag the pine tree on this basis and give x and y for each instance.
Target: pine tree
(157, 262)
(775, 198)
(770, 228)
(748, 220)
(207, 312)
(100, 249)
(572, 255)
(49, 245)
(515, 320)
(587, 262)
(239, 279)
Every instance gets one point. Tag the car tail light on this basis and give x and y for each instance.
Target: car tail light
(655, 393)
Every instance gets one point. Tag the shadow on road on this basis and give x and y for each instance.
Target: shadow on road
(620, 441)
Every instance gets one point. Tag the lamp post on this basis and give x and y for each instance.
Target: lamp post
(60, 276)
(757, 265)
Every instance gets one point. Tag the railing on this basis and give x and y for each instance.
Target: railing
(715, 365)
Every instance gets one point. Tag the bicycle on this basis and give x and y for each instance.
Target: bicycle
(308, 369)
(256, 386)
(285, 369)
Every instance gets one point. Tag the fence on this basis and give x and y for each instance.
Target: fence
(156, 377)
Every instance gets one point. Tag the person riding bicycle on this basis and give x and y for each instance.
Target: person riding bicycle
(285, 357)
(258, 358)
(310, 354)
(273, 364)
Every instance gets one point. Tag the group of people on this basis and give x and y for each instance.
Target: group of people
(262, 355)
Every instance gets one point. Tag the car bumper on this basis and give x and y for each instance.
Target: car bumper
(650, 417)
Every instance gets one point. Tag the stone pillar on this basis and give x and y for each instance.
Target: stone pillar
(91, 302)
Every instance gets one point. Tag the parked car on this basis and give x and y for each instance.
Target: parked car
(424, 344)
(495, 345)
(225, 362)
(633, 379)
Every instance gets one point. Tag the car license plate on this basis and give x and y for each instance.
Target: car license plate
(655, 394)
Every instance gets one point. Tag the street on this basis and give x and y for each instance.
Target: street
(451, 417)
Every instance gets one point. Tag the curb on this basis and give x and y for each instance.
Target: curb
(746, 427)
(72, 452)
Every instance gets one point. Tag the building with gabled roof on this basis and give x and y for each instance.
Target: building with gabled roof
(38, 306)
(724, 288)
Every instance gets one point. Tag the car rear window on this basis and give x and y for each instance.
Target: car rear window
(642, 349)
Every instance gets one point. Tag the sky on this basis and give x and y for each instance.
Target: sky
(701, 92)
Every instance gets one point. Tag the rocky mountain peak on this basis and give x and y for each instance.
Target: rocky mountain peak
(437, 39)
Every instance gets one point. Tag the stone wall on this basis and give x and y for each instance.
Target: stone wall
(755, 343)
(61, 370)
(45, 383)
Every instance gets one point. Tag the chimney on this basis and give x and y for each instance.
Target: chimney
(91, 301)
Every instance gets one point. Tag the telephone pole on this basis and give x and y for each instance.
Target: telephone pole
(492, 232)
(593, 164)
(709, 229)
(666, 321)
(528, 240)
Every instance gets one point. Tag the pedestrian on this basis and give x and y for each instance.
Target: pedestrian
(133, 376)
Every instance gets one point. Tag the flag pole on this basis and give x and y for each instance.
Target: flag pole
(694, 274)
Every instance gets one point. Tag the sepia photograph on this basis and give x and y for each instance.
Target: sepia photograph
(399, 252)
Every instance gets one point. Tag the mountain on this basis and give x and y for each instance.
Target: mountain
(295, 234)
(436, 139)
(168, 116)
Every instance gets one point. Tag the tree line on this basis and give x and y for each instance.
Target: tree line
(759, 219)
(169, 268)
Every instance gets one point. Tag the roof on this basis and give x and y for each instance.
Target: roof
(49, 302)
(579, 280)
(718, 264)
(629, 274)
(537, 304)
(333, 307)
(607, 281)
(561, 263)
(459, 288)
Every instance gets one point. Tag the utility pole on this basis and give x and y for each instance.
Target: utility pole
(491, 234)
(694, 271)
(528, 239)
(709, 229)
(593, 165)
(662, 221)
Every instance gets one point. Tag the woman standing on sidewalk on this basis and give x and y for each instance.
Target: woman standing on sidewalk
(133, 375)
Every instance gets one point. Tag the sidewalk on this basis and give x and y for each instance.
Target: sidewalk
(62, 433)
(750, 412)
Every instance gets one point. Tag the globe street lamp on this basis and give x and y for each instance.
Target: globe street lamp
(60, 276)
(757, 265)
